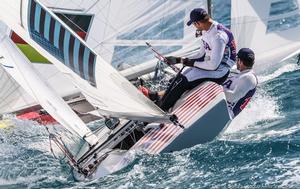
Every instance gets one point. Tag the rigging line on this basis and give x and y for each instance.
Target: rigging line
(258, 19)
(120, 59)
(95, 40)
(102, 7)
(13, 98)
(21, 13)
(107, 24)
(7, 83)
(111, 26)
(127, 106)
(88, 9)
(100, 43)
(163, 19)
(14, 87)
(8, 92)
(91, 37)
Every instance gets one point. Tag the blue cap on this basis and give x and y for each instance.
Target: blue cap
(197, 15)
(247, 56)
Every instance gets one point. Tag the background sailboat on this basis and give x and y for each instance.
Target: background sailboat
(269, 27)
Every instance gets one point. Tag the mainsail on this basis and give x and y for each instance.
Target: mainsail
(102, 85)
(268, 27)
(118, 31)
(22, 71)
(13, 98)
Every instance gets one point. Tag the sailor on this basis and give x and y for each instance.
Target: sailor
(241, 87)
(216, 56)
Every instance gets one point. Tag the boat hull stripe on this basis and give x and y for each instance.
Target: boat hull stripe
(194, 109)
(194, 94)
(157, 139)
(185, 116)
(157, 131)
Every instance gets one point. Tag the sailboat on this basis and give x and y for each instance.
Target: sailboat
(106, 92)
(267, 27)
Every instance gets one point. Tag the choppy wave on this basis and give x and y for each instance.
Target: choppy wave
(259, 149)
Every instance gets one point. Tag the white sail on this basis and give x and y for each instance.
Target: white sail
(107, 40)
(12, 96)
(261, 25)
(102, 85)
(118, 31)
(21, 69)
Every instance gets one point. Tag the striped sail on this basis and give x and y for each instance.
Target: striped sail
(60, 42)
(101, 84)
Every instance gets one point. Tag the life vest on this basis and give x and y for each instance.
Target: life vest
(229, 56)
(242, 103)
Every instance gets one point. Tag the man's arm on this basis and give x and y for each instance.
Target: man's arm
(200, 53)
(217, 52)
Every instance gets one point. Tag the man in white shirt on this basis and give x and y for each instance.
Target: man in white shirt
(216, 56)
(241, 87)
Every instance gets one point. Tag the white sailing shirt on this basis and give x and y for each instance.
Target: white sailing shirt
(239, 89)
(216, 56)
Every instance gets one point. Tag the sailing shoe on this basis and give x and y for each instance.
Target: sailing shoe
(152, 95)
(144, 90)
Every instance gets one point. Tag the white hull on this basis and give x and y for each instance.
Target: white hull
(203, 112)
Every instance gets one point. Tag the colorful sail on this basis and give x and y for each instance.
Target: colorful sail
(102, 85)
(21, 69)
(50, 34)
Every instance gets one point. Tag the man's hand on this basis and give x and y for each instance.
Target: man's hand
(173, 59)
(188, 62)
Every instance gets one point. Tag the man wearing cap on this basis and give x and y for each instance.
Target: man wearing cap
(216, 56)
(240, 88)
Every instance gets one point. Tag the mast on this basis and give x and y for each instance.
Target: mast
(209, 6)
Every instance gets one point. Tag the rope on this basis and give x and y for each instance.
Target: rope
(61, 145)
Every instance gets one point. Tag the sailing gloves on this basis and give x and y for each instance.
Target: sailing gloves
(178, 60)
(173, 59)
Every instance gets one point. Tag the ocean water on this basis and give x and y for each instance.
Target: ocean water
(260, 149)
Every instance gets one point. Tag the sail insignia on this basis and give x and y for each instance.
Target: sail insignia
(60, 42)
